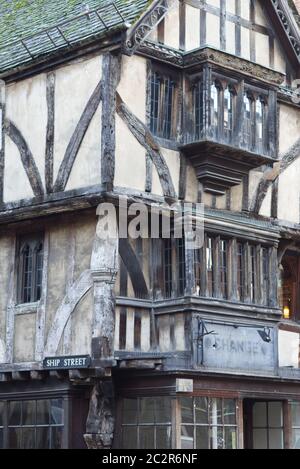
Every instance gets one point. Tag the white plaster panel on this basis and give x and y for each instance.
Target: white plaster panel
(26, 107)
(133, 85)
(16, 183)
(130, 159)
(86, 170)
(245, 43)
(289, 193)
(75, 84)
(172, 25)
(289, 127)
(81, 326)
(213, 30)
(262, 49)
(230, 6)
(230, 37)
(279, 58)
(24, 344)
(245, 9)
(192, 37)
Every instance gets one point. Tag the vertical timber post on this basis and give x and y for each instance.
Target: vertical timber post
(104, 267)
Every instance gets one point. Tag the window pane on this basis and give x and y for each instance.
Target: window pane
(146, 438)
(15, 438)
(130, 411)
(129, 438)
(57, 412)
(296, 439)
(147, 410)
(56, 437)
(187, 437)
(275, 415)
(260, 415)
(260, 439)
(202, 438)
(229, 412)
(163, 410)
(28, 438)
(187, 410)
(217, 438)
(276, 439)
(15, 413)
(230, 438)
(29, 413)
(163, 437)
(43, 412)
(296, 414)
(216, 412)
(1, 438)
(43, 438)
(201, 409)
(1, 414)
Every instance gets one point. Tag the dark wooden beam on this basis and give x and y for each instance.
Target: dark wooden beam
(26, 156)
(50, 132)
(77, 139)
(2, 137)
(111, 73)
(134, 269)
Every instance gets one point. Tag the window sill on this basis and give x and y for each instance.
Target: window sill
(27, 308)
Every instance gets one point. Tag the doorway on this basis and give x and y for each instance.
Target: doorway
(263, 424)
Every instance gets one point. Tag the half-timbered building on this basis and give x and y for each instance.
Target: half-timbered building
(145, 343)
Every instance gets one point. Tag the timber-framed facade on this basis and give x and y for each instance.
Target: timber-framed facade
(144, 343)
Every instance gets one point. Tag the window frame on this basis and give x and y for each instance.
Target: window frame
(158, 130)
(34, 242)
(16, 399)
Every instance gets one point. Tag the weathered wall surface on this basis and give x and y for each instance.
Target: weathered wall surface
(46, 110)
(68, 255)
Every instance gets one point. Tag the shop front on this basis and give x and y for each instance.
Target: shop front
(207, 412)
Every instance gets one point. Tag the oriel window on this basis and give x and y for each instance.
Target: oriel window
(162, 112)
(241, 264)
(30, 268)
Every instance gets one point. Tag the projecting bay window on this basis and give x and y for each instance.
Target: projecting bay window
(163, 104)
(30, 257)
(233, 270)
(185, 423)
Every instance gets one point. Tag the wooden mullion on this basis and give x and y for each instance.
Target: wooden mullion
(216, 267)
(175, 268)
(259, 276)
(247, 272)
(232, 269)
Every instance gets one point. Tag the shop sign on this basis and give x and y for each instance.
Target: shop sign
(239, 347)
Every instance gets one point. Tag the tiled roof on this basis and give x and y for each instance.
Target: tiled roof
(35, 21)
